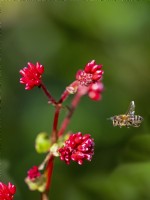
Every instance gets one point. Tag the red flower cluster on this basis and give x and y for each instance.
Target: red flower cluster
(33, 173)
(7, 191)
(77, 148)
(31, 75)
(95, 90)
(91, 73)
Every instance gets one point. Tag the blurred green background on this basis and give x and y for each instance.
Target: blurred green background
(64, 36)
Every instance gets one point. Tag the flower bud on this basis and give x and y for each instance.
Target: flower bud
(7, 191)
(31, 75)
(42, 143)
(95, 90)
(91, 74)
(37, 184)
(78, 148)
(33, 173)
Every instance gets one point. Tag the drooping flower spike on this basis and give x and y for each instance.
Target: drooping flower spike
(31, 75)
(7, 191)
(77, 148)
(91, 73)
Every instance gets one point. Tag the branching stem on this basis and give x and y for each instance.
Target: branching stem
(66, 121)
(48, 94)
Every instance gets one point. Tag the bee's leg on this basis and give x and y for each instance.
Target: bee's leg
(136, 125)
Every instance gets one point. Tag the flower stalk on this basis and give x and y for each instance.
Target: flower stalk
(75, 147)
(66, 121)
(48, 94)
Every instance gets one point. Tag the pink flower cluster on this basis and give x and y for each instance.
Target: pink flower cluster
(33, 173)
(7, 191)
(31, 75)
(91, 73)
(77, 148)
(95, 90)
(89, 77)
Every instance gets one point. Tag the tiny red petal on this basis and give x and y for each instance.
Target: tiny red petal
(89, 66)
(87, 69)
(40, 68)
(31, 66)
(100, 72)
(22, 72)
(11, 188)
(96, 77)
(95, 68)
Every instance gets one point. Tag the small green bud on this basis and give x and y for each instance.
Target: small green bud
(42, 143)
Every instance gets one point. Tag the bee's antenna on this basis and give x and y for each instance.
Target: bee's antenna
(110, 118)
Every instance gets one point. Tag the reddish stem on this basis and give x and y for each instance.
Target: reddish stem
(55, 122)
(49, 170)
(66, 121)
(64, 96)
(49, 167)
(44, 196)
(55, 133)
(71, 89)
(47, 93)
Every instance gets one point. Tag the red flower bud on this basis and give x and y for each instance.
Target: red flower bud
(31, 75)
(77, 148)
(91, 73)
(33, 173)
(7, 191)
(95, 90)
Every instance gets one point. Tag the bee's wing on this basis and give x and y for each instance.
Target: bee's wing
(131, 109)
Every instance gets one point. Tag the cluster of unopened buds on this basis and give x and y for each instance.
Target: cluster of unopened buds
(68, 146)
(77, 148)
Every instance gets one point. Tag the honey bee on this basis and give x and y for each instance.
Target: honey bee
(128, 119)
